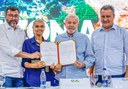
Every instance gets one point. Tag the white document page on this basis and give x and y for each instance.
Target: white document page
(67, 52)
(48, 52)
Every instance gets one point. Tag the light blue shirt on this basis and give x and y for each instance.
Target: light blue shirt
(84, 54)
(110, 48)
(11, 44)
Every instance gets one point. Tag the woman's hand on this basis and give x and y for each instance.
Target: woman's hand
(52, 66)
(38, 64)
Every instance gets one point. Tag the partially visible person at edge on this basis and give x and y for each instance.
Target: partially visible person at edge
(33, 67)
(110, 46)
(11, 40)
(85, 56)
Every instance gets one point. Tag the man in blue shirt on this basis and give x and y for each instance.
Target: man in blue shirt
(110, 45)
(85, 57)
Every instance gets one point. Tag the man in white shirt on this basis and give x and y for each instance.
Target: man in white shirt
(11, 40)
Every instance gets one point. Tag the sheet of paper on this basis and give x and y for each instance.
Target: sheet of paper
(48, 52)
(67, 52)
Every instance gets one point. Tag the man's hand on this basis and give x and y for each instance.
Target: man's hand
(35, 55)
(28, 55)
(58, 68)
(91, 71)
(79, 64)
(126, 74)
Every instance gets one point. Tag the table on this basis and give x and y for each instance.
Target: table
(71, 87)
(118, 83)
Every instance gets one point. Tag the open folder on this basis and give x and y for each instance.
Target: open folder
(61, 52)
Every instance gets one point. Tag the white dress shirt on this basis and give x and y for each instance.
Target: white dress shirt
(10, 44)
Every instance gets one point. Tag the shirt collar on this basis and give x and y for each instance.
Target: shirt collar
(74, 34)
(8, 26)
(112, 28)
(33, 40)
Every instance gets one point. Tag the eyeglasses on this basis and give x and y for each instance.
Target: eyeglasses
(15, 16)
(37, 26)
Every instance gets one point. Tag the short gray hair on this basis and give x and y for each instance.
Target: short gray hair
(108, 7)
(69, 15)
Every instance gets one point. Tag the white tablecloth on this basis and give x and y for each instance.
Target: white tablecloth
(117, 83)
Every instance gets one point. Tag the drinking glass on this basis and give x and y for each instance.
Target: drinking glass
(93, 80)
(2, 80)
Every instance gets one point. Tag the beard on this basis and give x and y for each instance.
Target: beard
(71, 31)
(12, 23)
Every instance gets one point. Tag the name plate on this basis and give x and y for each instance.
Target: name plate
(75, 82)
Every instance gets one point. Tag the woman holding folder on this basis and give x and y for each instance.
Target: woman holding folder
(33, 66)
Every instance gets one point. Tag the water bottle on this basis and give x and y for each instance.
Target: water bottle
(104, 78)
(42, 79)
(2, 80)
